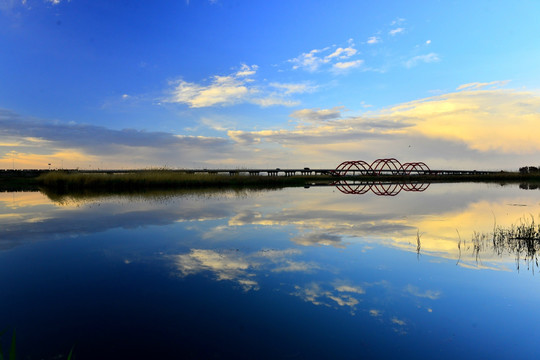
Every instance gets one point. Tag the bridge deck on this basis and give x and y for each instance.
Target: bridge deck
(272, 172)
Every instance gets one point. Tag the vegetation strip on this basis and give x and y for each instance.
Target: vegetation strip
(171, 179)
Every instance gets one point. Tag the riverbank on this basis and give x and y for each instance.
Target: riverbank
(74, 181)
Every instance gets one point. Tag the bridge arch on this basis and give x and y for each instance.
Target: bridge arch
(353, 166)
(417, 167)
(389, 166)
(392, 165)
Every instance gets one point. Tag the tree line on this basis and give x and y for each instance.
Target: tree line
(529, 169)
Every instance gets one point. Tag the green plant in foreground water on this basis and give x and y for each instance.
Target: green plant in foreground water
(522, 240)
(12, 349)
(12, 355)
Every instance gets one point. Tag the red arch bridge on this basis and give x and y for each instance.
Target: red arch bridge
(390, 166)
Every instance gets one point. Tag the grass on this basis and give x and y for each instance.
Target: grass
(160, 179)
(521, 240)
(63, 187)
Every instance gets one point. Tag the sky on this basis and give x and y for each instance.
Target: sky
(246, 83)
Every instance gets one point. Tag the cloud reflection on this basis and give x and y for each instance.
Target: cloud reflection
(237, 266)
(225, 265)
(429, 294)
(317, 295)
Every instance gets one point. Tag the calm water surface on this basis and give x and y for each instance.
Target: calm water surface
(289, 274)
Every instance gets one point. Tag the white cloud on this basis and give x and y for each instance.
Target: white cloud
(236, 88)
(396, 31)
(317, 115)
(373, 40)
(245, 70)
(271, 101)
(215, 124)
(347, 65)
(223, 90)
(54, 2)
(293, 88)
(342, 53)
(479, 85)
(427, 58)
(329, 56)
(309, 61)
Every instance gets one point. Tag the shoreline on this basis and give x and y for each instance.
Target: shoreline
(69, 181)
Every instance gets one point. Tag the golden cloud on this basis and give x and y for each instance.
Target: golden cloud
(487, 120)
(476, 123)
(63, 158)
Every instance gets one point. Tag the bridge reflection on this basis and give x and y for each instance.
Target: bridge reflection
(378, 187)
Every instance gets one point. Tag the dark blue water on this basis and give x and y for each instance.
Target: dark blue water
(291, 274)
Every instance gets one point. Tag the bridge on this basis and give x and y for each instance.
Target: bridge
(379, 167)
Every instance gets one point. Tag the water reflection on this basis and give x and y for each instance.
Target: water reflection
(378, 187)
(435, 223)
(313, 270)
(528, 186)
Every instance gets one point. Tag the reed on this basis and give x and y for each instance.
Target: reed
(159, 179)
(521, 240)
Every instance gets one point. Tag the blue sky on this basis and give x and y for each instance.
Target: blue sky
(228, 83)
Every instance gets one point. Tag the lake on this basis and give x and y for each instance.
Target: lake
(300, 273)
